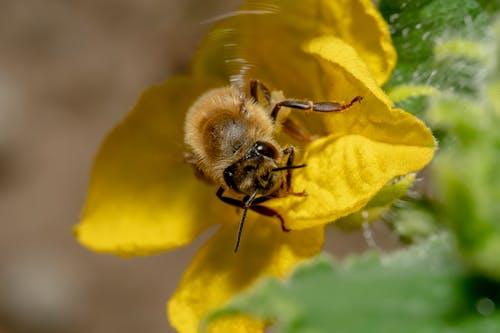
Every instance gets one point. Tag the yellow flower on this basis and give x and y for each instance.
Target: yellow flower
(144, 199)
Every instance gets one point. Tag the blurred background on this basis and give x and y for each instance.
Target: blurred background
(69, 70)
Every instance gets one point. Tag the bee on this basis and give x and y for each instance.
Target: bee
(232, 138)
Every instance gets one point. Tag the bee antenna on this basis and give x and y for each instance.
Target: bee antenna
(288, 167)
(248, 203)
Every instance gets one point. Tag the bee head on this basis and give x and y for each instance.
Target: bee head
(255, 171)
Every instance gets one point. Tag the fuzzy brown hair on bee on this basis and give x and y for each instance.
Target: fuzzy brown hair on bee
(232, 144)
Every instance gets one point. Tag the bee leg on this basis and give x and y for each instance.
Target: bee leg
(290, 151)
(297, 132)
(240, 203)
(266, 211)
(229, 200)
(256, 207)
(254, 86)
(311, 106)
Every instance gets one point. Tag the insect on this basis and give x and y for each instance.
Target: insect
(233, 144)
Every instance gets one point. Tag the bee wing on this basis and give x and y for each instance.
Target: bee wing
(237, 67)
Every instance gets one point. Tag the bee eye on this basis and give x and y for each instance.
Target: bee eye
(265, 149)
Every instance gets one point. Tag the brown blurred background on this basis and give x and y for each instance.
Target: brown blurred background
(69, 70)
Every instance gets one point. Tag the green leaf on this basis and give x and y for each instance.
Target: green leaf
(414, 222)
(416, 26)
(421, 289)
(460, 48)
(402, 92)
(466, 169)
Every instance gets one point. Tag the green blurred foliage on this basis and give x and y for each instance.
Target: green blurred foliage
(413, 222)
(466, 170)
(416, 26)
(421, 289)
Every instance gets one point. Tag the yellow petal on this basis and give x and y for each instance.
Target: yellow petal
(343, 174)
(141, 193)
(379, 205)
(370, 144)
(268, 36)
(217, 273)
(345, 76)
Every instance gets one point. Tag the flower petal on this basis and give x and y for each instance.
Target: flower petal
(268, 35)
(217, 273)
(342, 175)
(345, 76)
(370, 144)
(141, 192)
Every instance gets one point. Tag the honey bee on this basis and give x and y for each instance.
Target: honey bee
(232, 142)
